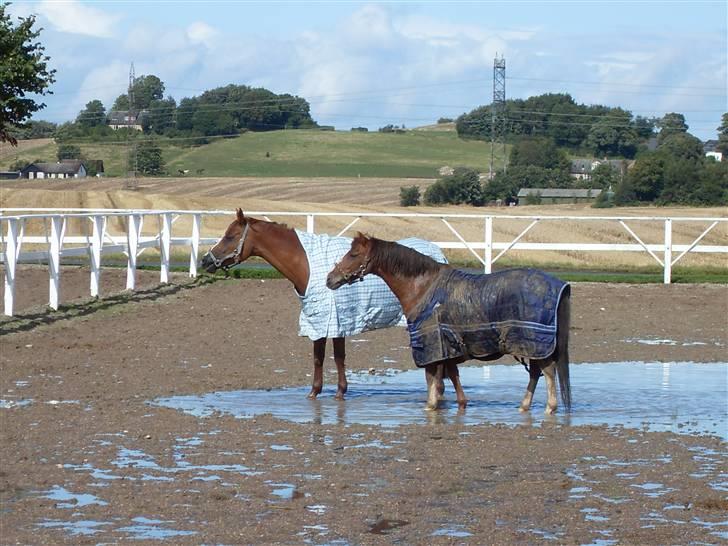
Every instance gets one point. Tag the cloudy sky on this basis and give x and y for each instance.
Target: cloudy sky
(371, 64)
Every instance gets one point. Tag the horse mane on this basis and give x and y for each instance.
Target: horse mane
(400, 260)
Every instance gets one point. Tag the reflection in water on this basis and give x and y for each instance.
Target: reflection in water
(651, 396)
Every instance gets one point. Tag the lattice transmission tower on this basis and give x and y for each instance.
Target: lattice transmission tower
(498, 112)
(131, 173)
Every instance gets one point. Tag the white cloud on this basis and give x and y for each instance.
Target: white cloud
(200, 32)
(76, 18)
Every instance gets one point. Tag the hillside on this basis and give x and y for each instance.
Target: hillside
(297, 153)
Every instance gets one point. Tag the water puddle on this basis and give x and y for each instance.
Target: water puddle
(648, 396)
(71, 500)
(10, 404)
(152, 529)
(84, 527)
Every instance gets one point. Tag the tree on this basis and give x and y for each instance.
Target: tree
(603, 176)
(613, 136)
(146, 89)
(121, 104)
(645, 180)
(93, 115)
(68, 151)
(23, 69)
(681, 146)
(149, 160)
(160, 115)
(463, 186)
(409, 196)
(723, 137)
(670, 124)
(540, 152)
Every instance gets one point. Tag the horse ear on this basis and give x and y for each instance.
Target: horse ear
(240, 215)
(362, 238)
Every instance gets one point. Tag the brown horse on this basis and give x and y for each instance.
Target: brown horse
(365, 307)
(430, 291)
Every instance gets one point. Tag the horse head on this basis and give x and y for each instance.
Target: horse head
(231, 248)
(354, 265)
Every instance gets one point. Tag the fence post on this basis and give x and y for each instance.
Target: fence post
(488, 244)
(164, 241)
(195, 244)
(309, 223)
(54, 261)
(133, 231)
(97, 241)
(667, 259)
(11, 259)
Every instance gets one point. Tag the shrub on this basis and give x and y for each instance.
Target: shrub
(409, 196)
(463, 186)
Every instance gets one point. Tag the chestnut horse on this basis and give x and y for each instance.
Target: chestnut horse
(369, 306)
(472, 328)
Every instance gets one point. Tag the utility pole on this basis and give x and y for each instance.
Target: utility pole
(498, 112)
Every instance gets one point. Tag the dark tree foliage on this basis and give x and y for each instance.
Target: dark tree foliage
(35, 129)
(723, 136)
(93, 115)
(676, 173)
(540, 152)
(409, 196)
(670, 124)
(149, 160)
(159, 117)
(507, 184)
(463, 186)
(604, 176)
(68, 151)
(23, 70)
(559, 117)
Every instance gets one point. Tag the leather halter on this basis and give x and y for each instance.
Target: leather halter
(356, 275)
(234, 254)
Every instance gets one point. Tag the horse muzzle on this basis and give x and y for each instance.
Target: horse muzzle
(209, 263)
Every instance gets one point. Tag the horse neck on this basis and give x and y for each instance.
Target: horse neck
(281, 248)
(409, 289)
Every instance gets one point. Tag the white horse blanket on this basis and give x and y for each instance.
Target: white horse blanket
(351, 309)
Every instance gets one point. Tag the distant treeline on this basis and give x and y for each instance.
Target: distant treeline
(223, 111)
(599, 129)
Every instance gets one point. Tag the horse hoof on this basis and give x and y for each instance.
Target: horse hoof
(312, 395)
(550, 411)
(339, 397)
(524, 410)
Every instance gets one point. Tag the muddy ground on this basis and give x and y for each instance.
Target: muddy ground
(85, 458)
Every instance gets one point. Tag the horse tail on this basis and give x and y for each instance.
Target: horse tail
(562, 346)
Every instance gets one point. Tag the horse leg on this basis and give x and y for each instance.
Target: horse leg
(454, 374)
(319, 352)
(440, 378)
(550, 373)
(431, 373)
(534, 372)
(339, 357)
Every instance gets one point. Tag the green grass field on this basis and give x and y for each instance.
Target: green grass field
(302, 153)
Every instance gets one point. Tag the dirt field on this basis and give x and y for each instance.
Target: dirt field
(86, 459)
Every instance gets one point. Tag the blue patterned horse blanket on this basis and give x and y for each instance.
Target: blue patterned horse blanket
(466, 316)
(354, 308)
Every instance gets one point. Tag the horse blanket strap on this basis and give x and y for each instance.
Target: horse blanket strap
(468, 316)
(351, 309)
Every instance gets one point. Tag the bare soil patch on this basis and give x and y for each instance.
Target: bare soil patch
(81, 448)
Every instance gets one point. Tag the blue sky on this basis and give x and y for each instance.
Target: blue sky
(371, 64)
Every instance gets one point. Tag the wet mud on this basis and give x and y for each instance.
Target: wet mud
(93, 451)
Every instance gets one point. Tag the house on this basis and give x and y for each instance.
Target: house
(710, 149)
(582, 168)
(9, 175)
(558, 195)
(122, 119)
(68, 168)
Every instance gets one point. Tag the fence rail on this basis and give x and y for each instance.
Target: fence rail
(55, 244)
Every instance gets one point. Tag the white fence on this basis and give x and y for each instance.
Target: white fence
(56, 244)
